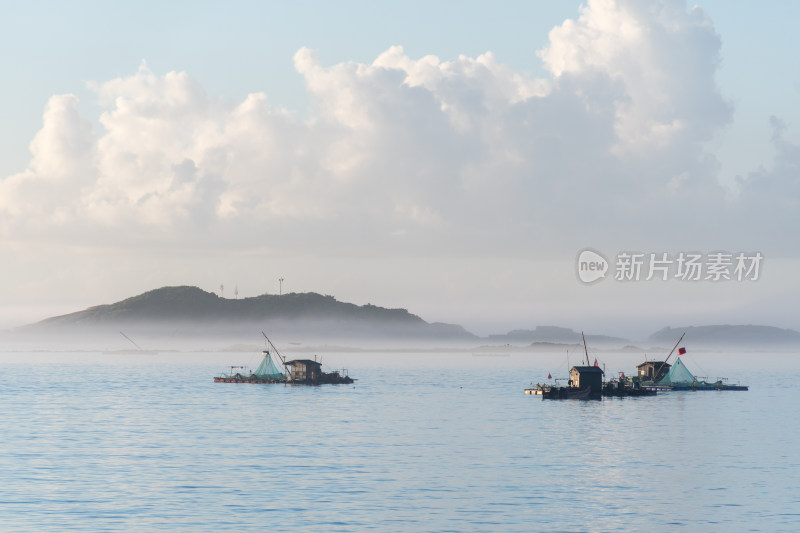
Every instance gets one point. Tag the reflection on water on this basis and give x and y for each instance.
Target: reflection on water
(428, 442)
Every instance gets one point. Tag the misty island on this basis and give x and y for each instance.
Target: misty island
(176, 314)
(190, 312)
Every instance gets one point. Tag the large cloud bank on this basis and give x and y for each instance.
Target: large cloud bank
(413, 154)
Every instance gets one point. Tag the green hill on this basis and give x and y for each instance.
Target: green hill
(187, 308)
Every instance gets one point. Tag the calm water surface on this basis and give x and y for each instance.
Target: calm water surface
(421, 442)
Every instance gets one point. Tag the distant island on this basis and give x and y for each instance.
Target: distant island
(185, 311)
(555, 335)
(729, 335)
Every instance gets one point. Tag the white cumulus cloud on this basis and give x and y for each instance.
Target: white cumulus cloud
(401, 153)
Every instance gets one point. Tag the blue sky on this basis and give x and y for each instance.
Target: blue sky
(247, 46)
(239, 47)
(446, 232)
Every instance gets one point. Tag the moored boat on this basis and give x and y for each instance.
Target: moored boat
(308, 372)
(548, 392)
(585, 381)
(661, 376)
(299, 371)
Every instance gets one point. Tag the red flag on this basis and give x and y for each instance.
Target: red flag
(681, 351)
(595, 362)
(549, 376)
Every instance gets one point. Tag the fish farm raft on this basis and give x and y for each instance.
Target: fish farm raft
(296, 372)
(586, 382)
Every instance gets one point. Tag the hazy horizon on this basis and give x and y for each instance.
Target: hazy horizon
(452, 160)
(189, 319)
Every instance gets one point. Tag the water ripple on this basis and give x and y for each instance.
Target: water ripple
(430, 445)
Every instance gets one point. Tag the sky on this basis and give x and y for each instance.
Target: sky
(450, 158)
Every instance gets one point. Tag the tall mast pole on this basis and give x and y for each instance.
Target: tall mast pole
(137, 346)
(283, 359)
(584, 349)
(670, 355)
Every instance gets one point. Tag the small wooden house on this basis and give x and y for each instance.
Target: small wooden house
(304, 370)
(582, 376)
(652, 370)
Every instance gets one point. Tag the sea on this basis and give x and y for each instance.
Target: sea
(422, 441)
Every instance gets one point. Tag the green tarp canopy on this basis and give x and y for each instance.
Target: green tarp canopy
(678, 375)
(267, 369)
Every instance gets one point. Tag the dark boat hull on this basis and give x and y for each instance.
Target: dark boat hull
(325, 379)
(561, 393)
(696, 387)
(233, 379)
